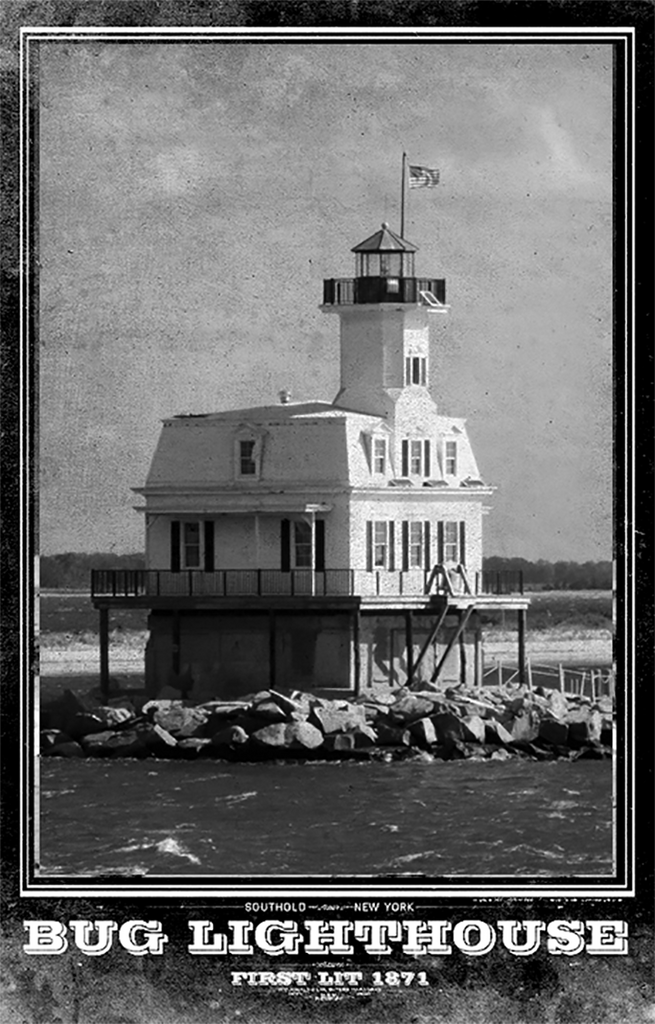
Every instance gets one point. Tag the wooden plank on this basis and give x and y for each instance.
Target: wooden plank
(431, 637)
(455, 638)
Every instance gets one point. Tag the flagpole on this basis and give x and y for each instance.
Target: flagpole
(402, 197)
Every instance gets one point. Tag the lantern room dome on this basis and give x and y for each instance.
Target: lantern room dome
(385, 240)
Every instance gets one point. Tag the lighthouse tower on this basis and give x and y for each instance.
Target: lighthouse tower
(385, 313)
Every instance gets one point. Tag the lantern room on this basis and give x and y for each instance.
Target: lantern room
(384, 274)
(384, 254)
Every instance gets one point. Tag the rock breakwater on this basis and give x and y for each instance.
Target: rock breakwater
(492, 723)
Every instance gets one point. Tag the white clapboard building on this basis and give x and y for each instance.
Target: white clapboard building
(333, 545)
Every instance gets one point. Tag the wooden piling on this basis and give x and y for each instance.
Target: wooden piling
(560, 669)
(529, 666)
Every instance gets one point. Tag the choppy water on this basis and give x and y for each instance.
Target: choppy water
(442, 819)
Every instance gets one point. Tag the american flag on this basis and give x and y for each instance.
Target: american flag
(423, 177)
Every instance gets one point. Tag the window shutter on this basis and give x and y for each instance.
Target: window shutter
(462, 542)
(319, 545)
(405, 458)
(392, 545)
(426, 460)
(175, 545)
(426, 543)
(369, 546)
(209, 545)
(440, 542)
(285, 545)
(405, 545)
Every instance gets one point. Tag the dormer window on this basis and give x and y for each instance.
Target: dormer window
(416, 370)
(248, 444)
(379, 455)
(247, 464)
(450, 466)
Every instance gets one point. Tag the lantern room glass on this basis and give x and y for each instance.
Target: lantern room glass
(384, 264)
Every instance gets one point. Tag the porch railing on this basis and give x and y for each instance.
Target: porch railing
(299, 583)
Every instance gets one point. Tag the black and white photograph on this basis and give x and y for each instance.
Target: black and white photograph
(328, 567)
(326, 425)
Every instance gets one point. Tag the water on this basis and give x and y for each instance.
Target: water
(438, 819)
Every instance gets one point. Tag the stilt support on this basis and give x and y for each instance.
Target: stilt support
(357, 656)
(104, 653)
(453, 640)
(272, 647)
(176, 643)
(431, 638)
(409, 645)
(521, 614)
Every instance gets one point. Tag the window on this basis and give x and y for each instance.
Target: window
(379, 455)
(415, 545)
(247, 465)
(191, 545)
(380, 545)
(415, 457)
(450, 542)
(416, 368)
(302, 538)
(451, 458)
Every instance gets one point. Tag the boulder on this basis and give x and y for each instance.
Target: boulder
(66, 749)
(52, 738)
(496, 733)
(410, 708)
(330, 720)
(423, 732)
(99, 720)
(448, 728)
(128, 743)
(523, 726)
(180, 721)
(474, 729)
(231, 736)
(585, 726)
(158, 740)
(500, 755)
(558, 705)
(194, 746)
(292, 736)
(59, 713)
(364, 736)
(393, 736)
(269, 711)
(340, 742)
(285, 703)
(554, 732)
(96, 744)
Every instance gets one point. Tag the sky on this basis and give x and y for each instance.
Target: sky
(193, 196)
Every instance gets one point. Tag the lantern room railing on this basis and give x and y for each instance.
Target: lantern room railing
(349, 291)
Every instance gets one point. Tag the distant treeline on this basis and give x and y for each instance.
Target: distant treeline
(73, 570)
(544, 575)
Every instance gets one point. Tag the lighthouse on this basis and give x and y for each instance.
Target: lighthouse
(331, 545)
